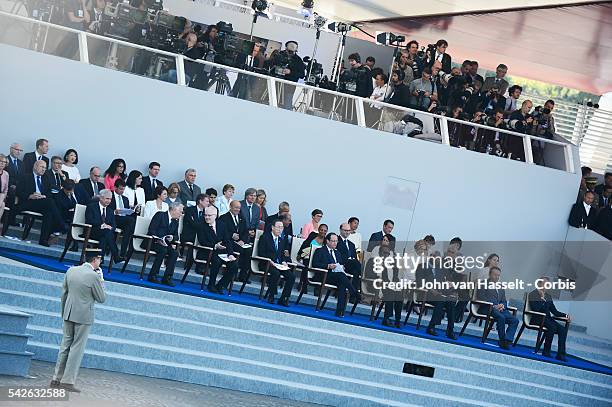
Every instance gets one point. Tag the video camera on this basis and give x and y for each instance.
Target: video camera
(122, 21)
(315, 71)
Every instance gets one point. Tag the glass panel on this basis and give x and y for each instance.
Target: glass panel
(317, 102)
(402, 121)
(549, 155)
(126, 58)
(38, 37)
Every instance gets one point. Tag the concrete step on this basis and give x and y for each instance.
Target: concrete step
(400, 345)
(13, 342)
(15, 363)
(318, 359)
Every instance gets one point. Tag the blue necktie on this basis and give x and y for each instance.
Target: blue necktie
(39, 184)
(276, 243)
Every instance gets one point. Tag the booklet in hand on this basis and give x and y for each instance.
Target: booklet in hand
(164, 240)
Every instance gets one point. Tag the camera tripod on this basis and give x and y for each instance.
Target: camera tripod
(222, 82)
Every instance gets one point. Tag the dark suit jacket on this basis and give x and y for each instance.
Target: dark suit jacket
(209, 238)
(26, 186)
(578, 217)
(346, 253)
(603, 225)
(446, 63)
(322, 258)
(52, 180)
(500, 104)
(161, 226)
(601, 201)
(28, 161)
(67, 205)
(93, 216)
(265, 248)
(85, 183)
(492, 295)
(191, 224)
(376, 238)
(244, 211)
(270, 221)
(231, 227)
(546, 306)
(146, 185)
(489, 82)
(14, 172)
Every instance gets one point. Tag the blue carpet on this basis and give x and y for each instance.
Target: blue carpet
(188, 288)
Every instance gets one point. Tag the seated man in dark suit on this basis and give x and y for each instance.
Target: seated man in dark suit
(541, 301)
(283, 209)
(92, 185)
(583, 214)
(214, 235)
(102, 221)
(236, 229)
(273, 247)
(328, 258)
(68, 198)
(500, 313)
(442, 299)
(349, 255)
(34, 194)
(126, 223)
(56, 175)
(164, 226)
(376, 238)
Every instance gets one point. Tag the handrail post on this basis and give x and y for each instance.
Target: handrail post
(272, 92)
(444, 131)
(528, 149)
(180, 70)
(83, 50)
(569, 159)
(359, 108)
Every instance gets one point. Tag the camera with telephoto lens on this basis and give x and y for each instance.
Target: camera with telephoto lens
(541, 118)
(315, 71)
(430, 52)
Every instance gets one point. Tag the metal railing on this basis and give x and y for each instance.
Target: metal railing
(118, 54)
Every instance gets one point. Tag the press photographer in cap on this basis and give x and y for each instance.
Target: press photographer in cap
(289, 66)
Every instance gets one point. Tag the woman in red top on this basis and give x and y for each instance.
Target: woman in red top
(115, 171)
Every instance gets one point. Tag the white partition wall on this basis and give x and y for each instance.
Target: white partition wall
(310, 162)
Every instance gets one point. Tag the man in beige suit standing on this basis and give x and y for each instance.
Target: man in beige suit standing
(83, 286)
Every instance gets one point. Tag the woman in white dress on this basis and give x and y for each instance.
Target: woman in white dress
(71, 159)
(158, 204)
(134, 192)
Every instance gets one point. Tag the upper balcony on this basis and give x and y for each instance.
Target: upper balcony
(120, 55)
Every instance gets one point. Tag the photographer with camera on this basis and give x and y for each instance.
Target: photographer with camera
(423, 91)
(493, 100)
(192, 69)
(357, 77)
(400, 92)
(490, 141)
(498, 80)
(543, 126)
(289, 66)
(473, 72)
(414, 60)
(519, 121)
(475, 100)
